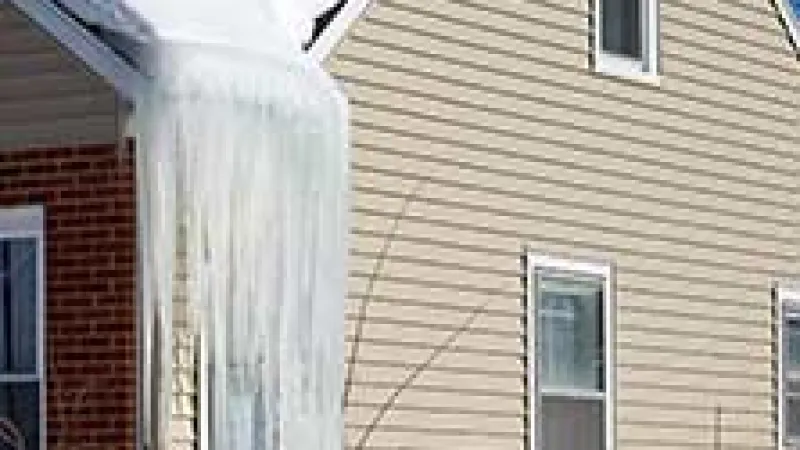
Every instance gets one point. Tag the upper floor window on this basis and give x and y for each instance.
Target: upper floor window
(571, 359)
(627, 37)
(21, 329)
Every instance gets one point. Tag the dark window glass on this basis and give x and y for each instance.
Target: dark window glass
(19, 416)
(621, 23)
(18, 315)
(19, 400)
(572, 424)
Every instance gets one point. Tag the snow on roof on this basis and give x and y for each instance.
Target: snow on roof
(247, 23)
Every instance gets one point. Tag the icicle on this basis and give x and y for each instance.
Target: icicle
(252, 147)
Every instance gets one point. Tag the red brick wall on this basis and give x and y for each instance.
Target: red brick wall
(89, 197)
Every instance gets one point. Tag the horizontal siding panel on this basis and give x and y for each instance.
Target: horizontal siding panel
(509, 100)
(429, 338)
(21, 40)
(502, 170)
(677, 35)
(687, 399)
(468, 381)
(517, 125)
(689, 96)
(701, 280)
(478, 134)
(734, 425)
(421, 318)
(695, 382)
(56, 107)
(32, 63)
(453, 17)
(769, 90)
(46, 97)
(714, 328)
(730, 19)
(45, 85)
(661, 297)
(534, 229)
(732, 249)
(363, 416)
(762, 18)
(409, 356)
(474, 395)
(725, 208)
(573, 31)
(460, 41)
(646, 434)
(393, 286)
(399, 437)
(667, 278)
(693, 344)
(84, 129)
(705, 365)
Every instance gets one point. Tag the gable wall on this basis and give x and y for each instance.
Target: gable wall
(47, 98)
(491, 111)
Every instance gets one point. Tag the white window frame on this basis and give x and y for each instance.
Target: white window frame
(535, 262)
(785, 293)
(645, 69)
(27, 222)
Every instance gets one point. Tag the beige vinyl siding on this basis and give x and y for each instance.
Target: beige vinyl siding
(47, 97)
(491, 111)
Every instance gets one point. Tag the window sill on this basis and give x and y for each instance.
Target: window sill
(626, 68)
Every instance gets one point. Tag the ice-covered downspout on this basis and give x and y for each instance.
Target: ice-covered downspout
(243, 162)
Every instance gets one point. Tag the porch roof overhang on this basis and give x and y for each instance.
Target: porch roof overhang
(112, 36)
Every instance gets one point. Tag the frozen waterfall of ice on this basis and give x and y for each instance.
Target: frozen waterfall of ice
(242, 160)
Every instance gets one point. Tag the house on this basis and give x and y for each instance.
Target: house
(574, 226)
(600, 193)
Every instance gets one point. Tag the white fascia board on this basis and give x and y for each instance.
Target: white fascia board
(336, 30)
(789, 19)
(87, 47)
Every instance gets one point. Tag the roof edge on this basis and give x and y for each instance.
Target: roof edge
(789, 19)
(336, 30)
(84, 45)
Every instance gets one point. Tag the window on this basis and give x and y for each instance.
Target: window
(627, 37)
(789, 364)
(21, 329)
(570, 338)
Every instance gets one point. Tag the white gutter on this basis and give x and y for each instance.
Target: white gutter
(70, 34)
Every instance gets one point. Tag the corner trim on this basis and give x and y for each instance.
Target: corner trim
(87, 47)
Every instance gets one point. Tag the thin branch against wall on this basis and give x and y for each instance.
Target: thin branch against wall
(418, 370)
(377, 271)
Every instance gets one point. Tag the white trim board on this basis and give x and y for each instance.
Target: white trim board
(789, 18)
(28, 222)
(335, 31)
(605, 271)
